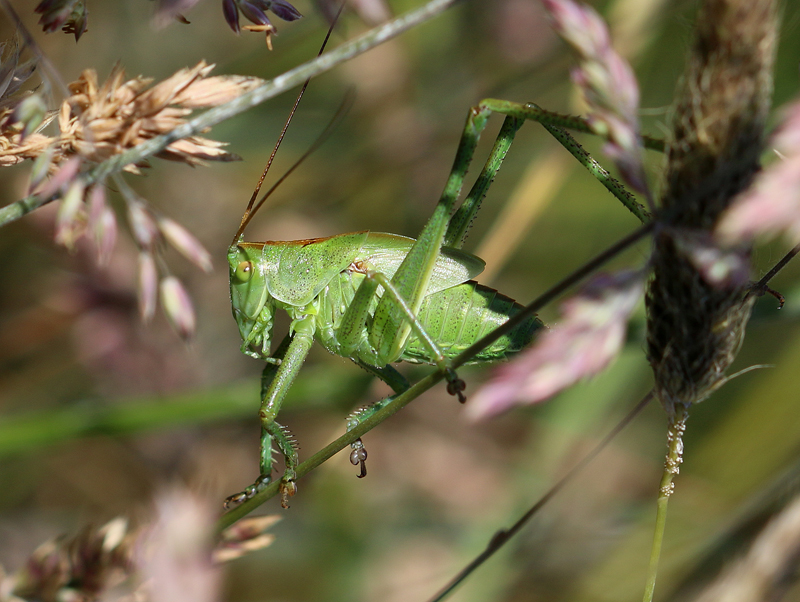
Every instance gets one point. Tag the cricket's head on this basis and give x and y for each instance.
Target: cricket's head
(249, 299)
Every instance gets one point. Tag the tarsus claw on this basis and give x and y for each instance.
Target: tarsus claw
(760, 290)
(288, 489)
(249, 492)
(781, 299)
(359, 457)
(234, 500)
(456, 386)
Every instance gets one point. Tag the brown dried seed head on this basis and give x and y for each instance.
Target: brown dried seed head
(100, 121)
(16, 142)
(163, 94)
(213, 91)
(14, 150)
(721, 109)
(79, 567)
(695, 329)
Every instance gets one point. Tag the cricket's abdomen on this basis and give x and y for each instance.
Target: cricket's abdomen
(455, 318)
(459, 316)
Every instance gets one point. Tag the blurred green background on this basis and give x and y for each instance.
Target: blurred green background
(99, 412)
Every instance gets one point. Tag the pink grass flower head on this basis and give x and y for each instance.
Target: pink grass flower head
(244, 537)
(178, 307)
(143, 224)
(102, 224)
(186, 244)
(770, 207)
(171, 10)
(721, 267)
(148, 285)
(583, 344)
(63, 177)
(608, 84)
(71, 218)
(74, 568)
(174, 558)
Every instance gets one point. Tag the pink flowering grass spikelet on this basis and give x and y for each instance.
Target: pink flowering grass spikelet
(178, 306)
(245, 536)
(588, 339)
(174, 554)
(721, 267)
(186, 244)
(77, 568)
(771, 206)
(148, 285)
(71, 219)
(608, 84)
(102, 224)
(171, 10)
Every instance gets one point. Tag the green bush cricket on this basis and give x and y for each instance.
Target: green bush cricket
(375, 298)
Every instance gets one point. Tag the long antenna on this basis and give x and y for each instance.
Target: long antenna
(250, 211)
(347, 102)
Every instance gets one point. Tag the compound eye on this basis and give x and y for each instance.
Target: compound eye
(244, 271)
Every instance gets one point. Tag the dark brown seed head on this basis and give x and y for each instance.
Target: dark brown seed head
(695, 329)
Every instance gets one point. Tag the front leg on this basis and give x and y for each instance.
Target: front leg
(276, 380)
(272, 398)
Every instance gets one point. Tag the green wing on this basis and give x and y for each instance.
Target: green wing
(385, 252)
